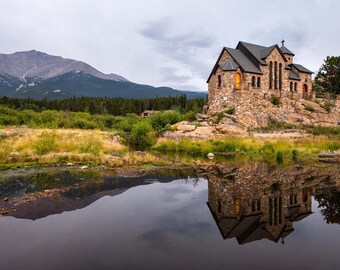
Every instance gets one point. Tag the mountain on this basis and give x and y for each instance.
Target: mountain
(39, 66)
(34, 74)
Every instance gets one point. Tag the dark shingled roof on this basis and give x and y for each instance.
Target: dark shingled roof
(230, 65)
(293, 76)
(286, 51)
(265, 52)
(250, 57)
(302, 68)
(243, 61)
(255, 50)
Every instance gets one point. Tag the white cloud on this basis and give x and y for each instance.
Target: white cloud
(167, 43)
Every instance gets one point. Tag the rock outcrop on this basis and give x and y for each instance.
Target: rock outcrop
(253, 110)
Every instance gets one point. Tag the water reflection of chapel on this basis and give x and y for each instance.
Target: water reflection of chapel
(255, 207)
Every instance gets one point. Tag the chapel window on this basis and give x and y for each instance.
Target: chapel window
(219, 79)
(253, 81)
(258, 81)
(270, 75)
(275, 75)
(280, 76)
(238, 81)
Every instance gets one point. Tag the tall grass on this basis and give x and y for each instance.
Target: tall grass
(45, 143)
(278, 148)
(91, 145)
(24, 145)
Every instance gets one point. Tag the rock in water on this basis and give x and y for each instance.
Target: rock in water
(210, 155)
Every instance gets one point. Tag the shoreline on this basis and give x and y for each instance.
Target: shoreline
(25, 147)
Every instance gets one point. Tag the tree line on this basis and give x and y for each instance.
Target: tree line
(113, 106)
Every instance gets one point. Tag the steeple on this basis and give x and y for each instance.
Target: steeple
(286, 52)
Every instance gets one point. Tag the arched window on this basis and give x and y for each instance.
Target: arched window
(237, 81)
(258, 81)
(275, 75)
(295, 87)
(219, 79)
(270, 75)
(253, 81)
(280, 76)
(291, 86)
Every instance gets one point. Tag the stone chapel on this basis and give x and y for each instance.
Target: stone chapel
(260, 70)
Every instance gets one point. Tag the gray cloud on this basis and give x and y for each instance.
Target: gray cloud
(164, 30)
(173, 43)
(182, 48)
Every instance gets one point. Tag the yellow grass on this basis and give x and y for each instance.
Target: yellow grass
(53, 146)
(46, 145)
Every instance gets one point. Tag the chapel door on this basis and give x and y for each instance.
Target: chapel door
(305, 91)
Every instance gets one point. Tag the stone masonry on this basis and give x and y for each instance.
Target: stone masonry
(265, 73)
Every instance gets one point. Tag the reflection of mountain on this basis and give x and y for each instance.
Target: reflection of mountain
(261, 202)
(67, 198)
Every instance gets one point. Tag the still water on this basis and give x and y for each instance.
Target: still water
(250, 216)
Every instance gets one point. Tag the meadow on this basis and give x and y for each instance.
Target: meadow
(53, 137)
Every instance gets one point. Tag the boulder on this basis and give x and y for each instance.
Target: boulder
(231, 129)
(201, 117)
(185, 127)
(210, 155)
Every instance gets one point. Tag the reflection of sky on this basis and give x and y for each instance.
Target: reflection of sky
(165, 226)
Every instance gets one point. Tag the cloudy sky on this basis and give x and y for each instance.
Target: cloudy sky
(168, 42)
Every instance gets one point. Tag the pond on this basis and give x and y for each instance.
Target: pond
(246, 216)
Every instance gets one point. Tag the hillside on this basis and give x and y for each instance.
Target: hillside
(37, 75)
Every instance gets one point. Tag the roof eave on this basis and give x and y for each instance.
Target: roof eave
(294, 79)
(253, 72)
(302, 71)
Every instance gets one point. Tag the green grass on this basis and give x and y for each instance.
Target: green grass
(279, 149)
(330, 131)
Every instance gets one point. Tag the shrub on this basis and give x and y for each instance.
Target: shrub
(295, 154)
(46, 143)
(5, 150)
(323, 130)
(190, 116)
(2, 135)
(91, 145)
(275, 100)
(230, 111)
(274, 124)
(142, 135)
(279, 157)
(159, 120)
(309, 108)
(124, 123)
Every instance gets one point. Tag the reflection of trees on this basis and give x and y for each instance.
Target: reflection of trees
(330, 204)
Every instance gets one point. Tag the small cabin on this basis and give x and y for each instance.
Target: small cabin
(148, 113)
